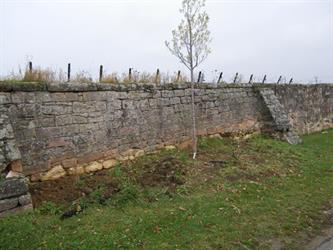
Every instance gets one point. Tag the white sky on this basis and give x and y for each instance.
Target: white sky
(293, 38)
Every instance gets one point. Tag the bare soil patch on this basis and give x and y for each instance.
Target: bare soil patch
(165, 172)
(65, 190)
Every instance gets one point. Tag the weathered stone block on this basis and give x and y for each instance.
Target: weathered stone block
(55, 173)
(23, 97)
(77, 119)
(143, 104)
(69, 163)
(46, 121)
(64, 97)
(25, 200)
(114, 104)
(62, 120)
(157, 94)
(122, 95)
(170, 147)
(7, 204)
(100, 106)
(76, 170)
(93, 167)
(71, 87)
(16, 166)
(5, 98)
(56, 109)
(12, 174)
(165, 101)
(139, 153)
(153, 103)
(13, 188)
(179, 92)
(109, 163)
(12, 152)
(58, 142)
(16, 210)
(185, 99)
(90, 157)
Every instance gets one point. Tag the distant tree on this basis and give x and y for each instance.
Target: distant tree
(190, 44)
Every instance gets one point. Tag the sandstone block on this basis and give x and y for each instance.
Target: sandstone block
(69, 163)
(76, 170)
(93, 167)
(185, 144)
(55, 173)
(16, 166)
(35, 177)
(110, 163)
(123, 158)
(170, 147)
(139, 153)
(128, 152)
(131, 157)
(218, 136)
(111, 153)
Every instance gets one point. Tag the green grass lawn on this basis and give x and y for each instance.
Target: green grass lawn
(239, 194)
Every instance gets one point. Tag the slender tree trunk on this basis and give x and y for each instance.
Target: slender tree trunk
(194, 128)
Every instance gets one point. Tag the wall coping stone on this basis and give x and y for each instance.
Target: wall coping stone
(148, 87)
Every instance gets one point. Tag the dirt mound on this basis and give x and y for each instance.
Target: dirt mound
(65, 190)
(166, 172)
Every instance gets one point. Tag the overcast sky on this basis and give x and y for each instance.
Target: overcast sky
(293, 38)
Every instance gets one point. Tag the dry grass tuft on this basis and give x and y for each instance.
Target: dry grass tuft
(180, 79)
(82, 77)
(48, 75)
(112, 78)
(39, 75)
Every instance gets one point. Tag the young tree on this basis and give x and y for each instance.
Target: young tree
(190, 44)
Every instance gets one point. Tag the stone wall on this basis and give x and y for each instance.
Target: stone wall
(9, 153)
(74, 128)
(309, 107)
(14, 196)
